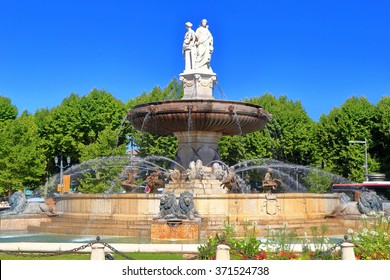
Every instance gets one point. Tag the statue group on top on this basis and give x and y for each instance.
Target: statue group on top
(198, 47)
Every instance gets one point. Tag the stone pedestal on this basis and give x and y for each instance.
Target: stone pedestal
(207, 186)
(97, 252)
(223, 252)
(198, 84)
(175, 229)
(347, 251)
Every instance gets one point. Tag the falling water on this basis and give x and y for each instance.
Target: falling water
(176, 91)
(237, 120)
(275, 135)
(224, 165)
(78, 171)
(147, 117)
(291, 175)
(222, 95)
(189, 118)
(162, 158)
(119, 129)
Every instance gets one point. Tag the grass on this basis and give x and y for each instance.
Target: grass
(87, 256)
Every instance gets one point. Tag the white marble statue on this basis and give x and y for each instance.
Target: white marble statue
(204, 44)
(189, 47)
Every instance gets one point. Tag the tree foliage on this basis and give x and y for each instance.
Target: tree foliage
(351, 122)
(286, 137)
(7, 110)
(22, 155)
(78, 122)
(381, 135)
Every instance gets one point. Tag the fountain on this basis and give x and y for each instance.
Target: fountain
(198, 121)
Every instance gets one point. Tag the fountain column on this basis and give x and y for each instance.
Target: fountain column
(194, 145)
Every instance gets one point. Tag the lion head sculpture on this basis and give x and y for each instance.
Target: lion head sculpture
(186, 206)
(168, 207)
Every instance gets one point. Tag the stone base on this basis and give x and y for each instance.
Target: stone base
(22, 222)
(198, 84)
(175, 229)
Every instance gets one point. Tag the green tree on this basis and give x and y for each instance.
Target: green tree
(78, 123)
(22, 155)
(317, 181)
(104, 146)
(102, 174)
(352, 121)
(172, 91)
(7, 110)
(287, 137)
(381, 135)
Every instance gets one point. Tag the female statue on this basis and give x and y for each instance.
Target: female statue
(204, 45)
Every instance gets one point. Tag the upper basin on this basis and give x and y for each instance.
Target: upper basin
(227, 117)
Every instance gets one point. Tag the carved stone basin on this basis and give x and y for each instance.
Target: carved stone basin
(226, 117)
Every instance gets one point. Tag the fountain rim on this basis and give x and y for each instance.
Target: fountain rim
(180, 101)
(182, 109)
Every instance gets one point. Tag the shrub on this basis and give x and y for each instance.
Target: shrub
(373, 241)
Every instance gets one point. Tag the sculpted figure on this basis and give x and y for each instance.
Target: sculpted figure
(204, 45)
(130, 184)
(155, 181)
(269, 183)
(174, 175)
(195, 170)
(189, 47)
(199, 169)
(217, 171)
(230, 181)
(368, 201)
(20, 205)
(168, 207)
(186, 206)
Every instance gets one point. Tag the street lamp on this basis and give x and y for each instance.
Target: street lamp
(365, 155)
(62, 167)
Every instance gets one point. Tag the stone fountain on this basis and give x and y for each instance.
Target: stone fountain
(198, 121)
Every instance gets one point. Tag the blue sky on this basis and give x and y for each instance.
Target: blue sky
(320, 52)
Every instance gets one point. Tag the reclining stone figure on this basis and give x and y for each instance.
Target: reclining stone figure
(19, 205)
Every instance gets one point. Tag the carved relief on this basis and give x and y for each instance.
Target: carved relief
(271, 204)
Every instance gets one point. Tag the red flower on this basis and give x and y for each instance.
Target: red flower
(292, 256)
(260, 256)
